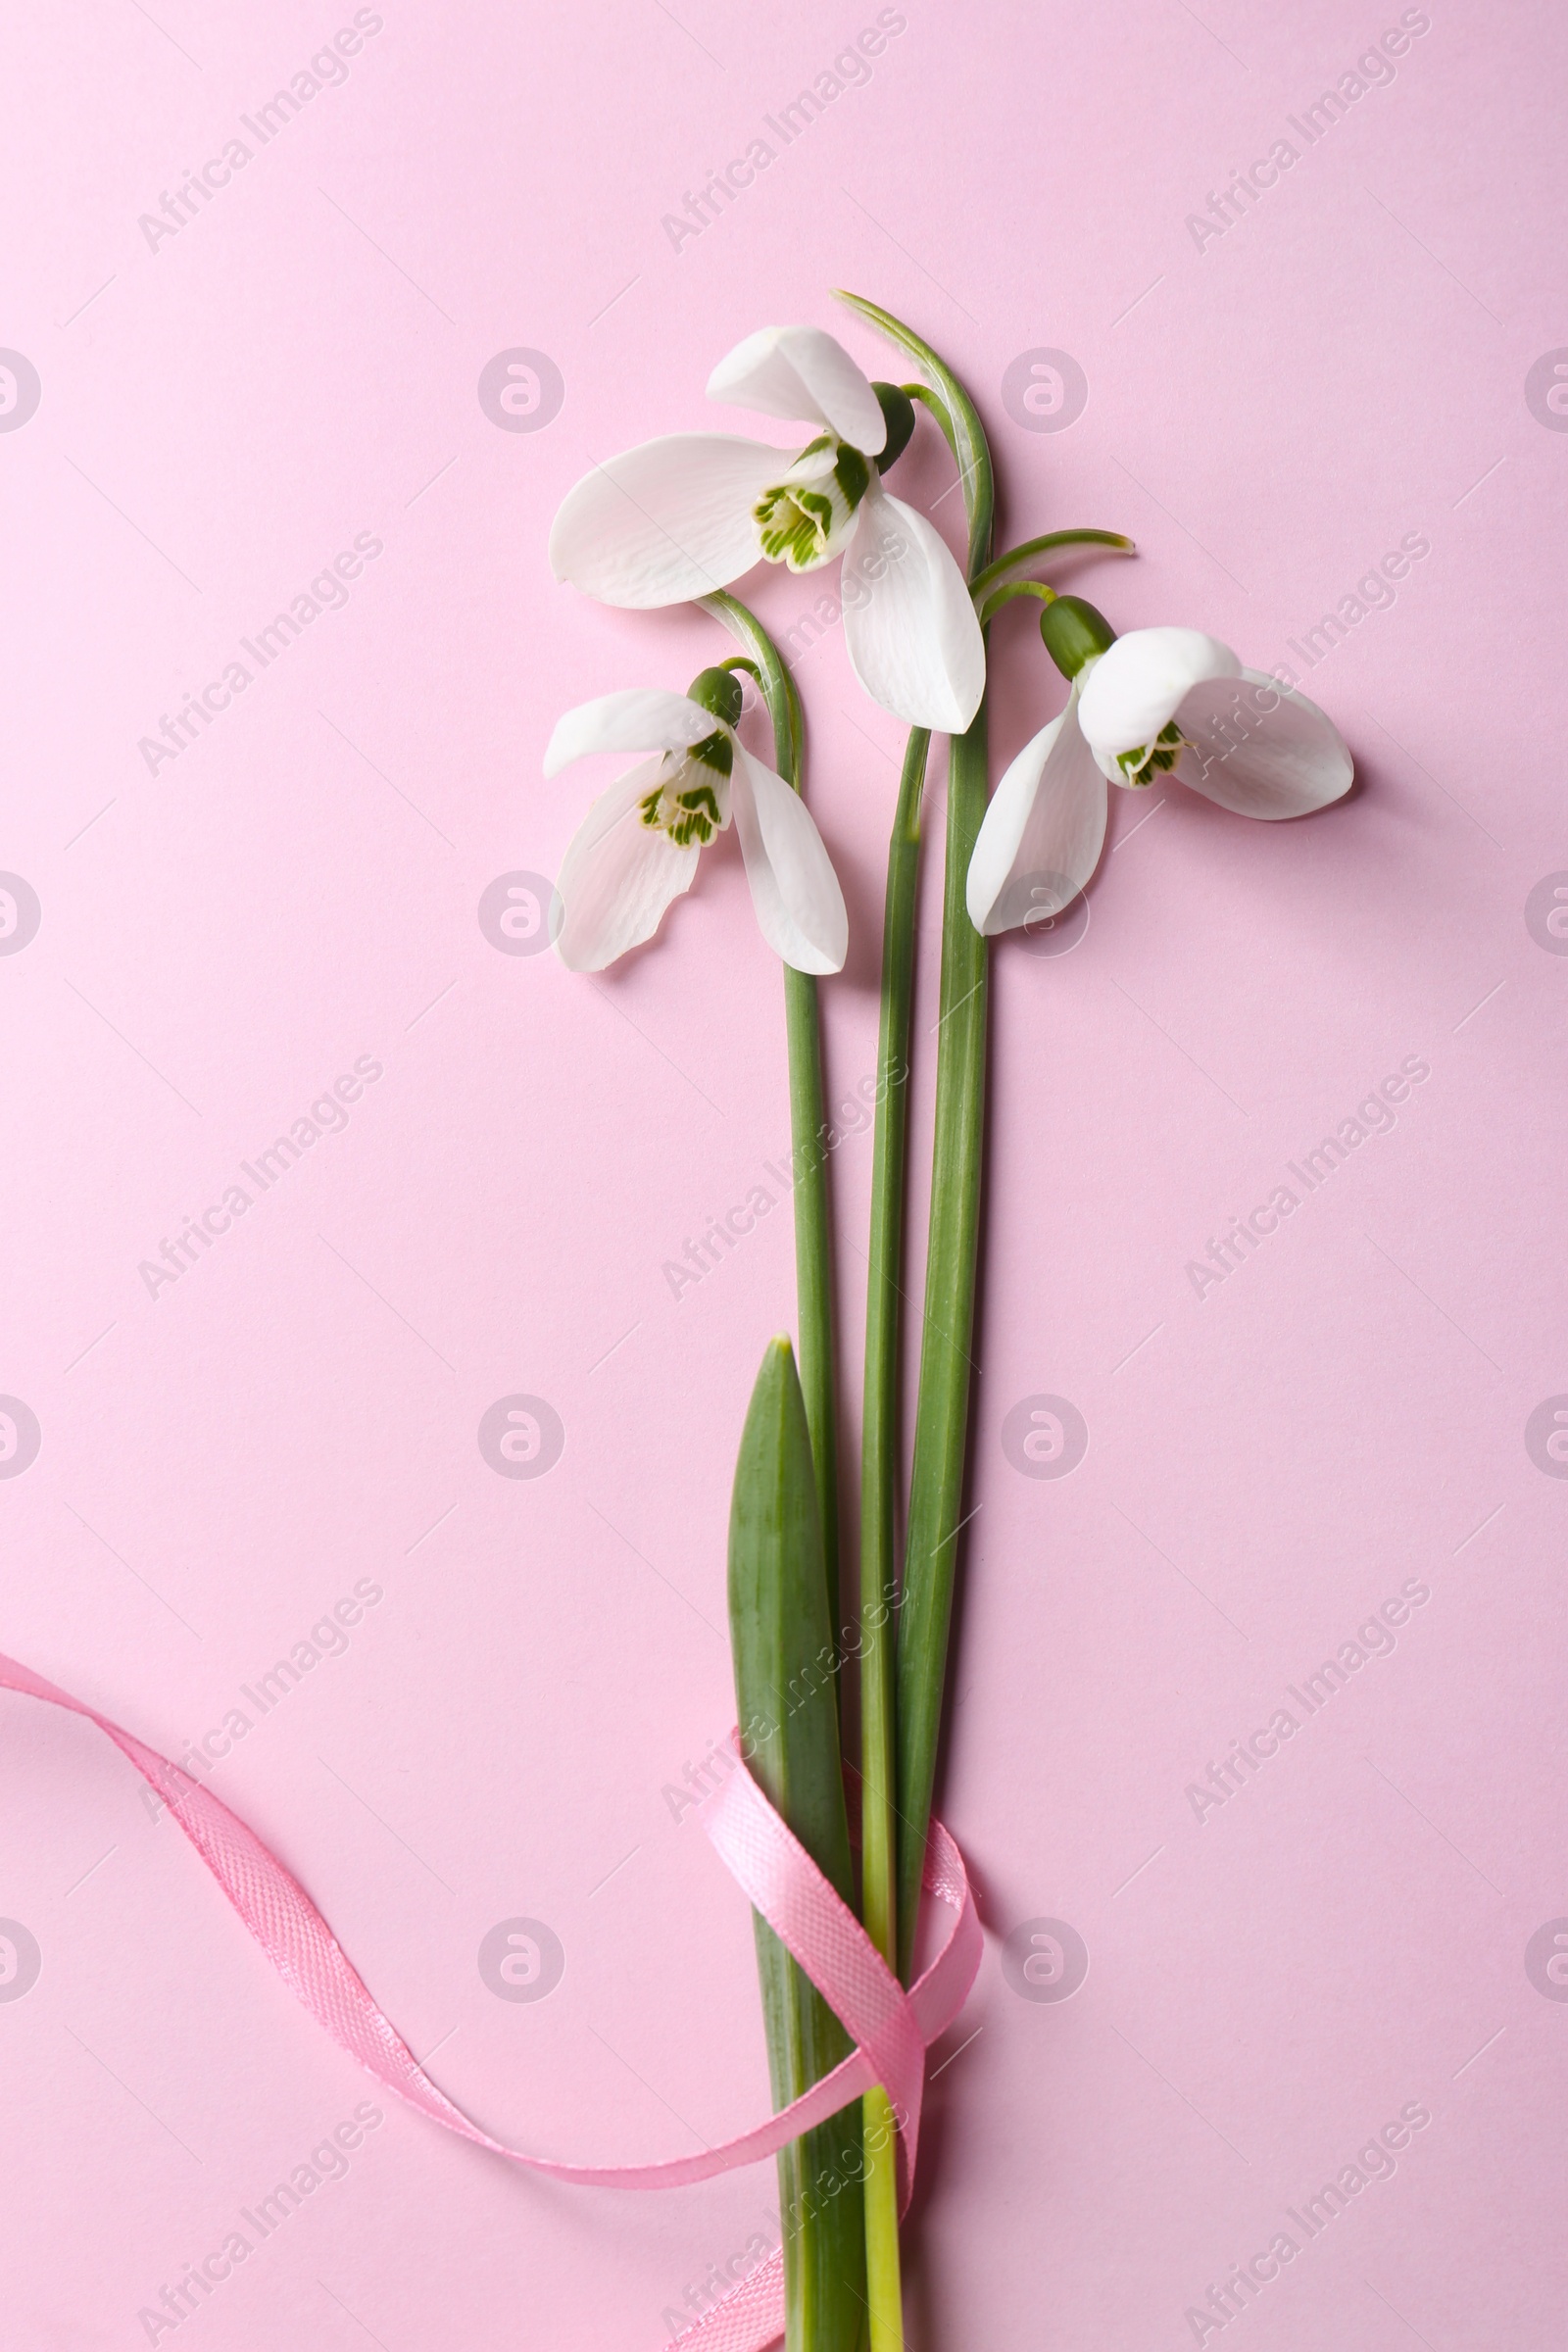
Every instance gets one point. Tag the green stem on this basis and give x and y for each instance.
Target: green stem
(940, 411)
(813, 1274)
(813, 1261)
(901, 1717)
(998, 597)
(879, 1478)
(893, 1910)
(942, 1414)
(879, 1449)
(965, 433)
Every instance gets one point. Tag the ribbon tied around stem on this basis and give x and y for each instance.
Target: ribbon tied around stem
(892, 2028)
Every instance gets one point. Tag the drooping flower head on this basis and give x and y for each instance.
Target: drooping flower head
(688, 514)
(638, 847)
(1165, 702)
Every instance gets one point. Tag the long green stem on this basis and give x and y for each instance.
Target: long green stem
(879, 1449)
(942, 1413)
(965, 433)
(879, 1482)
(813, 1258)
(813, 1274)
(896, 1914)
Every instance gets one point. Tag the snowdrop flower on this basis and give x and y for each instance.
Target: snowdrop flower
(1155, 703)
(637, 848)
(685, 515)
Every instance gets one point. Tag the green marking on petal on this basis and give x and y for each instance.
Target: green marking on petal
(852, 475)
(715, 750)
(1150, 759)
(699, 818)
(788, 533)
(686, 802)
(800, 522)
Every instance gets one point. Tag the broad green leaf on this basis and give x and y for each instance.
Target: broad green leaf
(784, 1673)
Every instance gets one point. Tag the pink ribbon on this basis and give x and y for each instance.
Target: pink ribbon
(892, 2028)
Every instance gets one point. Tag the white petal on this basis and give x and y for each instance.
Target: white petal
(794, 887)
(666, 521)
(617, 877)
(800, 372)
(909, 624)
(1042, 833)
(1261, 749)
(640, 718)
(1137, 686)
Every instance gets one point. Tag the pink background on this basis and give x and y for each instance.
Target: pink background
(1268, 413)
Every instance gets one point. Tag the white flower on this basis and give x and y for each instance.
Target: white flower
(688, 514)
(1157, 702)
(637, 848)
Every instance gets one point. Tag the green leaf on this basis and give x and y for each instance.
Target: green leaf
(785, 1672)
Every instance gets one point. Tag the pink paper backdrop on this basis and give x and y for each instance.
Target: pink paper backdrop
(1360, 360)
